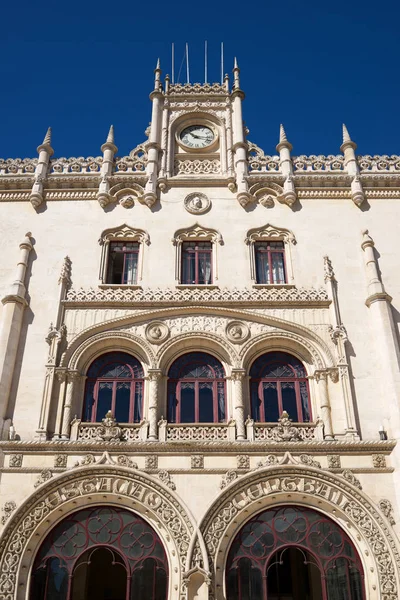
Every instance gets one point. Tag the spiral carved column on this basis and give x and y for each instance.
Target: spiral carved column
(238, 377)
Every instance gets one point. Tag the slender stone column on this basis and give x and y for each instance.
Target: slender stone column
(72, 378)
(45, 153)
(238, 377)
(284, 148)
(324, 403)
(108, 149)
(154, 378)
(10, 331)
(153, 145)
(239, 143)
(62, 378)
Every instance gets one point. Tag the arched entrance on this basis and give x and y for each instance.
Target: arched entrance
(100, 553)
(293, 553)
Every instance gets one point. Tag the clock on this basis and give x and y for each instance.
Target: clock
(197, 136)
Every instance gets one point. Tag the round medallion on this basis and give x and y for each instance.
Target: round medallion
(237, 332)
(197, 136)
(157, 332)
(197, 203)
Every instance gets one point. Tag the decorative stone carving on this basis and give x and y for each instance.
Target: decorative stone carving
(237, 332)
(243, 461)
(258, 161)
(198, 433)
(197, 166)
(268, 232)
(197, 203)
(8, 508)
(109, 431)
(351, 478)
(379, 461)
(151, 461)
(288, 459)
(44, 476)
(387, 509)
(264, 297)
(166, 479)
(60, 461)
(124, 232)
(228, 478)
(334, 461)
(15, 460)
(197, 461)
(157, 332)
(285, 431)
(125, 461)
(318, 163)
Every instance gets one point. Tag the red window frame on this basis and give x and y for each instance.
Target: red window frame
(265, 251)
(127, 248)
(132, 398)
(198, 248)
(196, 382)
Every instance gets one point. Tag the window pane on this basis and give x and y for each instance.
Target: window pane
(204, 268)
(104, 399)
(262, 266)
(187, 402)
(122, 402)
(172, 401)
(289, 399)
(188, 267)
(304, 400)
(89, 401)
(137, 413)
(271, 408)
(130, 269)
(116, 267)
(206, 408)
(221, 401)
(278, 268)
(255, 402)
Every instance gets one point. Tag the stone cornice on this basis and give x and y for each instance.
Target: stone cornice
(321, 447)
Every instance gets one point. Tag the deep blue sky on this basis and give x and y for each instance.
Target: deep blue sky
(80, 66)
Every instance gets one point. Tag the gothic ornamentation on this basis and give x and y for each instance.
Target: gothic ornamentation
(318, 163)
(258, 161)
(151, 461)
(269, 232)
(109, 431)
(65, 274)
(197, 203)
(166, 479)
(188, 296)
(197, 166)
(197, 461)
(334, 461)
(15, 460)
(285, 431)
(243, 461)
(351, 478)
(8, 508)
(237, 332)
(197, 232)
(197, 433)
(124, 232)
(157, 332)
(60, 461)
(44, 476)
(379, 461)
(387, 509)
(228, 478)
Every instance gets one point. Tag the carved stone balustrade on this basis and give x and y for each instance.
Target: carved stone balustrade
(284, 431)
(205, 432)
(97, 432)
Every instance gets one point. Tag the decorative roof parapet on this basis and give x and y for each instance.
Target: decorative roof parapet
(269, 296)
(318, 163)
(182, 89)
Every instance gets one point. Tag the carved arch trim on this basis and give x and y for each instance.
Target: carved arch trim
(350, 508)
(190, 234)
(97, 485)
(122, 232)
(271, 232)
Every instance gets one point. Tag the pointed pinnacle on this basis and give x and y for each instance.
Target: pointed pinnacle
(47, 138)
(235, 64)
(110, 137)
(282, 134)
(346, 135)
(158, 68)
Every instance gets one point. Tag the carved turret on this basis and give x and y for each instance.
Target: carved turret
(153, 145)
(239, 143)
(348, 148)
(284, 148)
(109, 150)
(45, 152)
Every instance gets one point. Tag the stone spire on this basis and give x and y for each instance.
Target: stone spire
(236, 75)
(108, 149)
(348, 148)
(47, 138)
(284, 148)
(157, 78)
(45, 152)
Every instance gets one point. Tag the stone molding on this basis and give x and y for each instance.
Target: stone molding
(247, 495)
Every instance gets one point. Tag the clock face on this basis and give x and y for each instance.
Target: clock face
(197, 136)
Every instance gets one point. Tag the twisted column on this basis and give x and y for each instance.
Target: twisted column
(238, 376)
(154, 377)
(324, 402)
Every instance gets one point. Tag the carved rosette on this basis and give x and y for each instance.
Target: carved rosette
(197, 203)
(157, 332)
(237, 332)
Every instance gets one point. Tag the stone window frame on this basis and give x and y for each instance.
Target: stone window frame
(201, 234)
(275, 234)
(117, 234)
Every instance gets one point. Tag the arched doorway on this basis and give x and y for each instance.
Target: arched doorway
(101, 553)
(293, 553)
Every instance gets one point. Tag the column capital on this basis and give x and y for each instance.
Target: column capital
(238, 374)
(154, 374)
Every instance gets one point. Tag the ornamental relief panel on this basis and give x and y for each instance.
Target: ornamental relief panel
(248, 495)
(97, 484)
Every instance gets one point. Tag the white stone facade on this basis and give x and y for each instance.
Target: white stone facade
(196, 484)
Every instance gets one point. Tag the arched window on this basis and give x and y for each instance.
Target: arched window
(102, 552)
(293, 552)
(114, 382)
(196, 389)
(278, 382)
